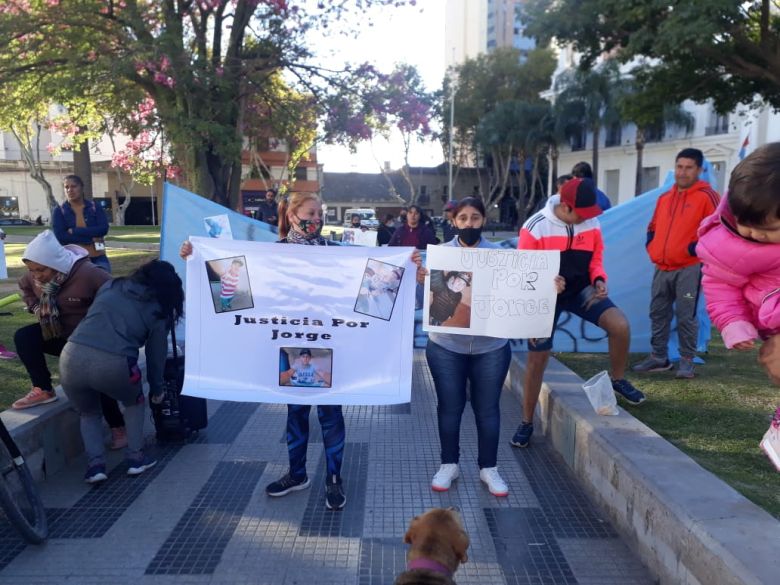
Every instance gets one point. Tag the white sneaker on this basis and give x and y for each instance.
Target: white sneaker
(495, 484)
(444, 477)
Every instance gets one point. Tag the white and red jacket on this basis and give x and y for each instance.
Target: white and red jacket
(581, 246)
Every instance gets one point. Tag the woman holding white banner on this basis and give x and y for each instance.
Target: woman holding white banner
(300, 222)
(481, 361)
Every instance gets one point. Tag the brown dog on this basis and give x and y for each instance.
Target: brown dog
(438, 546)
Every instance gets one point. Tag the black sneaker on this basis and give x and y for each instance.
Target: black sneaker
(334, 493)
(285, 485)
(522, 437)
(625, 389)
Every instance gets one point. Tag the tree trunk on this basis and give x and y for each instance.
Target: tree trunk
(536, 181)
(522, 187)
(121, 209)
(82, 166)
(640, 150)
(554, 155)
(32, 157)
(596, 138)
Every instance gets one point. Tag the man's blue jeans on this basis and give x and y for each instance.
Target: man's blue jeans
(486, 373)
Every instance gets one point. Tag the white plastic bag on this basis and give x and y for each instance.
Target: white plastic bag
(600, 394)
(770, 444)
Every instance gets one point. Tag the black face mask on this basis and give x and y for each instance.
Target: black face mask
(469, 236)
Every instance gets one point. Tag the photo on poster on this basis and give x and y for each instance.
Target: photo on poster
(228, 281)
(450, 298)
(305, 367)
(379, 289)
(218, 226)
(348, 237)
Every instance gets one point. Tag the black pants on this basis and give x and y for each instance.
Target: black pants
(31, 348)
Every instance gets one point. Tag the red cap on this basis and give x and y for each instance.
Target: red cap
(580, 195)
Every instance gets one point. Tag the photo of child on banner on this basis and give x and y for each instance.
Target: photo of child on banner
(450, 298)
(379, 289)
(229, 282)
(303, 368)
(509, 294)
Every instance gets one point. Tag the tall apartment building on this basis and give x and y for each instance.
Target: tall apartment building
(480, 26)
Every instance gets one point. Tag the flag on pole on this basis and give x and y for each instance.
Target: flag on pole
(745, 145)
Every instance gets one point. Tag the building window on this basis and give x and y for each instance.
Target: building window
(300, 173)
(650, 177)
(718, 124)
(655, 133)
(612, 185)
(9, 207)
(578, 139)
(614, 135)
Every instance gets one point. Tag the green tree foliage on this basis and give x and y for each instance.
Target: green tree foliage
(725, 50)
(497, 102)
(640, 103)
(201, 62)
(589, 99)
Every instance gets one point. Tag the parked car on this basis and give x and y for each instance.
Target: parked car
(14, 221)
(367, 217)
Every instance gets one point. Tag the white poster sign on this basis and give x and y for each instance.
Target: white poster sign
(358, 237)
(299, 324)
(218, 226)
(490, 291)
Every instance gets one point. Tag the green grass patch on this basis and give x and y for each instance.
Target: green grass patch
(718, 418)
(14, 382)
(143, 234)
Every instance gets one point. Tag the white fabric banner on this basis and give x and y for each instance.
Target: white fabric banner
(299, 324)
(488, 291)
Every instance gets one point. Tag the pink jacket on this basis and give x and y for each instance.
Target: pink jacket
(741, 279)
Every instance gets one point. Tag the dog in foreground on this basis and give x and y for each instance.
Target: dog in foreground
(438, 544)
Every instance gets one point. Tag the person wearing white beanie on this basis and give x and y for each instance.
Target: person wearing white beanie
(59, 286)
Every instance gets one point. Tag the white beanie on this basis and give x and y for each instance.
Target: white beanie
(46, 250)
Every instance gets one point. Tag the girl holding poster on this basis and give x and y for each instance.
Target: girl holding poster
(300, 222)
(457, 359)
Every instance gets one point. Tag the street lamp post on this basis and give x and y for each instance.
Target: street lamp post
(452, 130)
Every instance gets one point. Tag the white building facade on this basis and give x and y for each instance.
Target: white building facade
(719, 137)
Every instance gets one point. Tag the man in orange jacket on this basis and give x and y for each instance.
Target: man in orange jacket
(671, 245)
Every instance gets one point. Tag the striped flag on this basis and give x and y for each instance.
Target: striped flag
(745, 145)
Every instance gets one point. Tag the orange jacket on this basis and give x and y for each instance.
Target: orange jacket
(671, 235)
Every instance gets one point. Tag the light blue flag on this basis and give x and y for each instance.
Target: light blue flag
(184, 215)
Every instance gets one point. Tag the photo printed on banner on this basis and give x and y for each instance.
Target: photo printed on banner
(379, 289)
(450, 298)
(305, 367)
(229, 283)
(218, 226)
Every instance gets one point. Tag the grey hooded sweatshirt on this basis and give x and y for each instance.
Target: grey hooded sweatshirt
(123, 318)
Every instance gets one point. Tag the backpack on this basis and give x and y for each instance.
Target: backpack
(177, 418)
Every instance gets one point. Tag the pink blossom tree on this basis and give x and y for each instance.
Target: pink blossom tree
(201, 61)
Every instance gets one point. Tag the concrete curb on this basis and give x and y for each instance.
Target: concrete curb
(48, 435)
(686, 525)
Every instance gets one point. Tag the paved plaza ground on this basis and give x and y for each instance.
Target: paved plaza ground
(201, 516)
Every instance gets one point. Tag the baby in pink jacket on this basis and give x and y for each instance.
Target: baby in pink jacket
(739, 246)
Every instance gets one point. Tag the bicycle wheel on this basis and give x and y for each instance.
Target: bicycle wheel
(19, 497)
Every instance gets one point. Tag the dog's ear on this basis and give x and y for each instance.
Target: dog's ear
(460, 545)
(410, 534)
